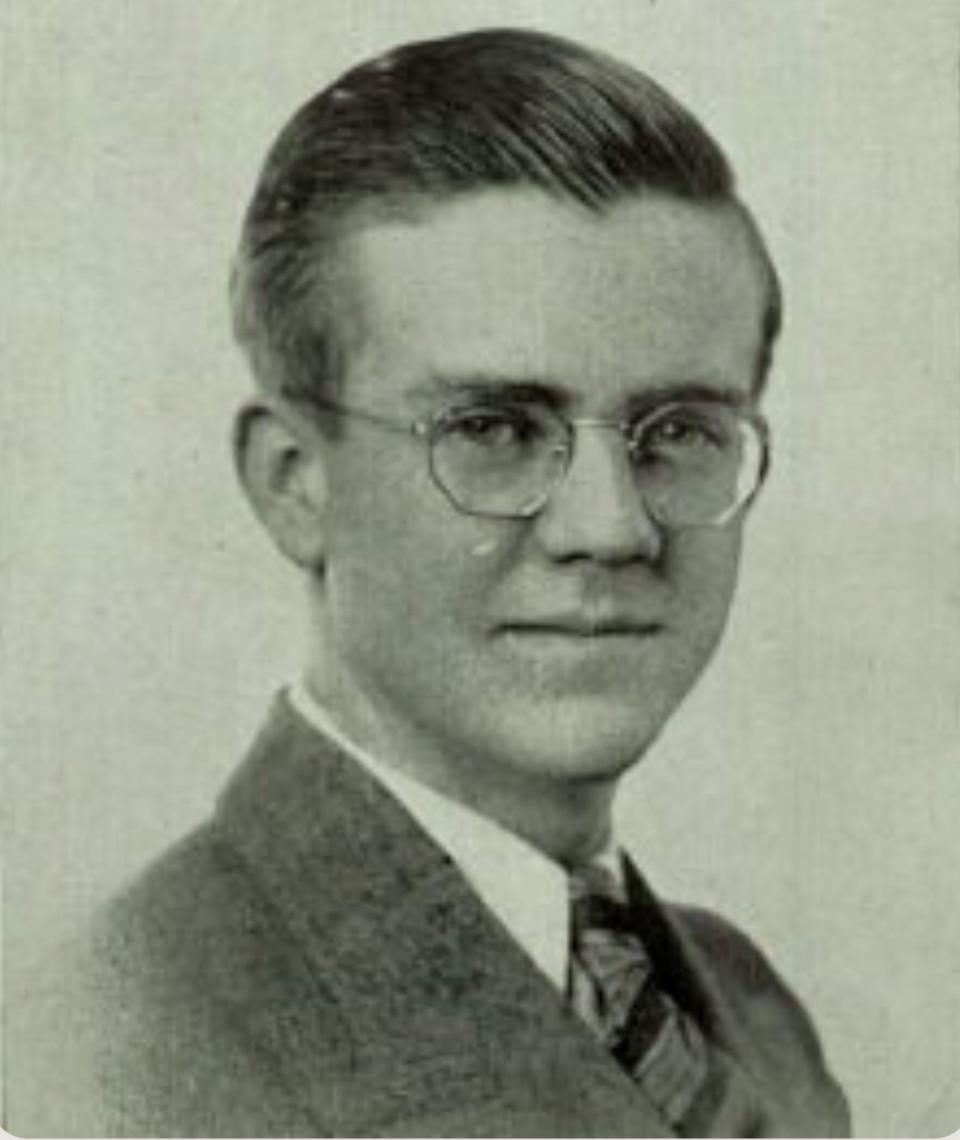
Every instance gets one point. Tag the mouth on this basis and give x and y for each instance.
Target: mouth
(581, 654)
(582, 627)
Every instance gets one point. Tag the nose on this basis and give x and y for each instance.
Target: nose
(597, 511)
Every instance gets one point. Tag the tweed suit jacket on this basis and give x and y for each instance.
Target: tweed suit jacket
(310, 963)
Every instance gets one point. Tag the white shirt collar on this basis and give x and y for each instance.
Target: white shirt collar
(525, 889)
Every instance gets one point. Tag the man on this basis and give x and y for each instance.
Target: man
(510, 327)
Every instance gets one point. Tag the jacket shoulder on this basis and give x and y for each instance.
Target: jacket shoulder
(784, 1044)
(162, 1018)
(747, 977)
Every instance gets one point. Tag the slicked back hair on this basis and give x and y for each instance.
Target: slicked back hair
(432, 120)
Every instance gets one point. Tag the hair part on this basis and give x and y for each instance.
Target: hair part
(433, 120)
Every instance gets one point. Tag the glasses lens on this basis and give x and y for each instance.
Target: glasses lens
(697, 463)
(499, 459)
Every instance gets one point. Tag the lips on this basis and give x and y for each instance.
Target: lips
(583, 625)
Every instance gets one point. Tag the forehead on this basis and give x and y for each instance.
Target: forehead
(516, 284)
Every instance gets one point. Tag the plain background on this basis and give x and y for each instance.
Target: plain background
(810, 788)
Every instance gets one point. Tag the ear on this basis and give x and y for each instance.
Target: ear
(279, 463)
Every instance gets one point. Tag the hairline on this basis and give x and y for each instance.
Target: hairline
(323, 258)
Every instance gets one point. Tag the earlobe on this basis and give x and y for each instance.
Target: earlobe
(280, 466)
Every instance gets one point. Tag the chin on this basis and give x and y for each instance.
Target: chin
(580, 740)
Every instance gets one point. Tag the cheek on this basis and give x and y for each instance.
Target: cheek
(406, 563)
(703, 569)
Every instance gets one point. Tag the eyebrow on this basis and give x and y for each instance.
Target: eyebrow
(485, 385)
(693, 390)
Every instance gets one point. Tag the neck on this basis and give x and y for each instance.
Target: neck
(568, 820)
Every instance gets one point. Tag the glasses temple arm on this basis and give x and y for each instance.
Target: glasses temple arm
(403, 427)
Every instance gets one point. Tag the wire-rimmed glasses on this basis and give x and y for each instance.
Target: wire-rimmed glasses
(695, 462)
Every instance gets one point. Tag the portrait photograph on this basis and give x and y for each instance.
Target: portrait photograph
(480, 568)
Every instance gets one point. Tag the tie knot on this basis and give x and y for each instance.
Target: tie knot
(596, 879)
(598, 900)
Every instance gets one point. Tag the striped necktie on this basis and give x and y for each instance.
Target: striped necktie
(613, 987)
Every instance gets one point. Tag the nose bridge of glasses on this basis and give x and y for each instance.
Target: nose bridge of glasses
(598, 422)
(612, 465)
(622, 427)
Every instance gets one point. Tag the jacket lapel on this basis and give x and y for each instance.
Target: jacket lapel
(764, 1090)
(444, 1025)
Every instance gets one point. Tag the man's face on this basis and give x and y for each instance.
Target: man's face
(466, 640)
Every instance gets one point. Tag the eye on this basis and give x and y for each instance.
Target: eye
(684, 433)
(491, 428)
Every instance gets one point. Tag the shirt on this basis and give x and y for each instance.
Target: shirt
(525, 890)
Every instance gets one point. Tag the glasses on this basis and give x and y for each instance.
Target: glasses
(694, 462)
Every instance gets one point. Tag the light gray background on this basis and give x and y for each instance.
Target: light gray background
(810, 788)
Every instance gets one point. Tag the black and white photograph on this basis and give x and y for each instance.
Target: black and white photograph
(481, 568)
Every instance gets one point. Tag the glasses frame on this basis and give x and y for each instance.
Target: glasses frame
(429, 427)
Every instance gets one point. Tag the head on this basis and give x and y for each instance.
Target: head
(510, 212)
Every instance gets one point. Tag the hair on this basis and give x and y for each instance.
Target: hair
(432, 120)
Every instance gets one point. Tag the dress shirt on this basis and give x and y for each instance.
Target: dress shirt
(526, 890)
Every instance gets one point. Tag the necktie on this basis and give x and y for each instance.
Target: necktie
(614, 989)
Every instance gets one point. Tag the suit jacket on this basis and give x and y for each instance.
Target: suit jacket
(310, 963)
